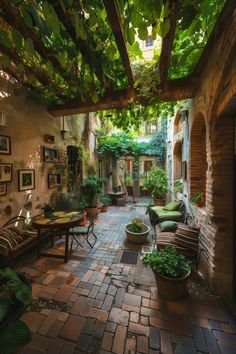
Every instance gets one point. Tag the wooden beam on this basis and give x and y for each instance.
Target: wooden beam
(175, 90)
(222, 21)
(12, 16)
(118, 99)
(113, 17)
(167, 43)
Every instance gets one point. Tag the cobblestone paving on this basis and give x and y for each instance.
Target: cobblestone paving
(94, 304)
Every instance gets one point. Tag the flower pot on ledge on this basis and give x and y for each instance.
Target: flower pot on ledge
(159, 201)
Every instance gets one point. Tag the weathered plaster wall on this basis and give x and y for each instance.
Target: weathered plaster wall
(26, 125)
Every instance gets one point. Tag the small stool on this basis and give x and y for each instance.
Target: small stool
(120, 201)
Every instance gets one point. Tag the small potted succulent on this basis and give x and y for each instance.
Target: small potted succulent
(171, 271)
(137, 231)
(15, 295)
(47, 210)
(105, 200)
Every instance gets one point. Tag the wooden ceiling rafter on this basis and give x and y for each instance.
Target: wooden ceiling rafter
(114, 19)
(177, 89)
(167, 43)
(80, 44)
(13, 17)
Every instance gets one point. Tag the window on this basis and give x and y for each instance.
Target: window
(149, 42)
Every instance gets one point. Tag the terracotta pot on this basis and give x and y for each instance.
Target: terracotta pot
(158, 201)
(173, 289)
(104, 208)
(137, 237)
(129, 190)
(92, 212)
(83, 221)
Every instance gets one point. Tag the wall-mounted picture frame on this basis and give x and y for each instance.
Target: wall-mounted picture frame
(5, 172)
(49, 138)
(184, 169)
(3, 189)
(5, 145)
(26, 180)
(50, 155)
(54, 180)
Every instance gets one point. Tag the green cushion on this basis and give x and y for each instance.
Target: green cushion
(167, 215)
(172, 206)
(168, 225)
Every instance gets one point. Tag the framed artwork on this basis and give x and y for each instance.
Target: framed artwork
(54, 180)
(3, 189)
(184, 169)
(26, 180)
(5, 145)
(5, 172)
(50, 155)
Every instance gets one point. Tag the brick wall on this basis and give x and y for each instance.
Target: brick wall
(217, 87)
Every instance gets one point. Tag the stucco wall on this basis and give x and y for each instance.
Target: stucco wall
(27, 124)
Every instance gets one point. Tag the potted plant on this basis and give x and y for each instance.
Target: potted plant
(91, 188)
(47, 210)
(81, 208)
(137, 231)
(15, 295)
(106, 200)
(157, 182)
(171, 271)
(129, 185)
(198, 199)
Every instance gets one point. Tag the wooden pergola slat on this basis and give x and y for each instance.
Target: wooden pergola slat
(90, 56)
(13, 17)
(178, 89)
(167, 43)
(226, 14)
(114, 19)
(39, 74)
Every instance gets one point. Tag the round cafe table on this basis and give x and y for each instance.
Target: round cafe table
(60, 221)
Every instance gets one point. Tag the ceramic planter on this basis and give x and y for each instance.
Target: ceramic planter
(92, 212)
(137, 237)
(83, 221)
(159, 201)
(173, 289)
(104, 208)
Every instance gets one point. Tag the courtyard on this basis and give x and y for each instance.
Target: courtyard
(97, 304)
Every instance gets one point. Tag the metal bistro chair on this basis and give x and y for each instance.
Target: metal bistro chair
(83, 232)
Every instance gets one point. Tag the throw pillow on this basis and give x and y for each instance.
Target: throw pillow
(168, 225)
(172, 206)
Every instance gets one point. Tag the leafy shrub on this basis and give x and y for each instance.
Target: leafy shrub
(157, 182)
(167, 262)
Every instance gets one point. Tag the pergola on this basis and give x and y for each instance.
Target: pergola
(73, 55)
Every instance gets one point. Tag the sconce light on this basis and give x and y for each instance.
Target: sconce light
(3, 119)
(63, 131)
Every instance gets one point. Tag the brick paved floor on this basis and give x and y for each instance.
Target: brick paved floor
(94, 304)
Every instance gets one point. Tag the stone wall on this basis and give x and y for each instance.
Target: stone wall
(27, 124)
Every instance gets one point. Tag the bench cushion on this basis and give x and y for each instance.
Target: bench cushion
(172, 206)
(167, 215)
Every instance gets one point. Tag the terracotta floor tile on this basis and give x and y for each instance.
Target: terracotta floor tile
(72, 328)
(119, 339)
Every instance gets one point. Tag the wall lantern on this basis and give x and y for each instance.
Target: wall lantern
(3, 119)
(63, 131)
